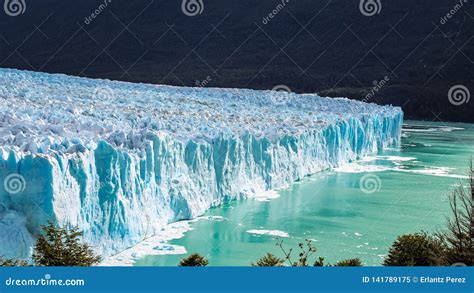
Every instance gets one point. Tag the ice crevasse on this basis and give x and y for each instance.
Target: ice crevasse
(121, 160)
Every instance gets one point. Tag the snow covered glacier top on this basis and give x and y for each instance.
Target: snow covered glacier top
(46, 113)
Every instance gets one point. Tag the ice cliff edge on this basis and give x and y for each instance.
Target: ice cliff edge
(121, 160)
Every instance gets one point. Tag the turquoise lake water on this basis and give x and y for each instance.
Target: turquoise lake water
(353, 211)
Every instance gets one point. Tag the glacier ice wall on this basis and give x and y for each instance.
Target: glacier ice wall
(122, 160)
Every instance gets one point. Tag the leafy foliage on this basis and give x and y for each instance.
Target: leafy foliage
(269, 260)
(12, 263)
(194, 260)
(59, 246)
(319, 262)
(419, 249)
(352, 262)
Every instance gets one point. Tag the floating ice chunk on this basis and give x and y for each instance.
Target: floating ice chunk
(277, 233)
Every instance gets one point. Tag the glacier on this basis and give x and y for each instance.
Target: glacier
(122, 160)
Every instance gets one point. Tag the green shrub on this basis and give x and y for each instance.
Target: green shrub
(269, 260)
(352, 262)
(319, 262)
(59, 246)
(194, 260)
(419, 249)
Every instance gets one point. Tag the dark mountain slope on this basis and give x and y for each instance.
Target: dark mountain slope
(321, 46)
